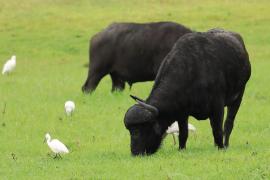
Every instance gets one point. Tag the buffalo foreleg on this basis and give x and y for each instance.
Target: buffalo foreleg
(183, 132)
(216, 121)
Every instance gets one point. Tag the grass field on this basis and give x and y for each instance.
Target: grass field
(50, 39)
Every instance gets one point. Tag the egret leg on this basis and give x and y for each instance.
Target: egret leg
(174, 139)
(55, 156)
(4, 109)
(195, 135)
(71, 114)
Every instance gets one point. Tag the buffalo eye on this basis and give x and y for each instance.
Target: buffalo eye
(134, 132)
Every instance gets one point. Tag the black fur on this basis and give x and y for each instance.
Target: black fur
(130, 52)
(203, 73)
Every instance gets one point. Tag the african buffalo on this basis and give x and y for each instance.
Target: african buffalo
(203, 73)
(130, 52)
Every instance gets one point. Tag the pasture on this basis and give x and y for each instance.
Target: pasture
(50, 39)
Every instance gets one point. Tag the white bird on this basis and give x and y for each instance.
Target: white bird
(69, 107)
(56, 146)
(174, 129)
(191, 128)
(9, 65)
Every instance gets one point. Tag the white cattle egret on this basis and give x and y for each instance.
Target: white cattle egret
(191, 127)
(69, 107)
(174, 129)
(9, 65)
(56, 146)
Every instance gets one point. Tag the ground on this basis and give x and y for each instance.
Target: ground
(50, 39)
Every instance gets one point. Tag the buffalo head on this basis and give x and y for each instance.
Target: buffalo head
(145, 130)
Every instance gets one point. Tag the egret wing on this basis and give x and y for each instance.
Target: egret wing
(58, 147)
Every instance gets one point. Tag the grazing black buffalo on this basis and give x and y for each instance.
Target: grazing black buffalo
(130, 52)
(203, 73)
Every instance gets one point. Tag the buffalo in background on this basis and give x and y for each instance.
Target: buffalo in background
(130, 52)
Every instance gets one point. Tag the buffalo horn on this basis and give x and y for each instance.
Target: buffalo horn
(145, 105)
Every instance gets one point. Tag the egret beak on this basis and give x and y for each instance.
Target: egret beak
(44, 140)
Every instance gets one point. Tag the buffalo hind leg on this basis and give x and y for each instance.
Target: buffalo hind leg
(117, 83)
(216, 121)
(231, 113)
(183, 132)
(92, 81)
(130, 85)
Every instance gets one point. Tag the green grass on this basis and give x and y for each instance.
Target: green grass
(50, 39)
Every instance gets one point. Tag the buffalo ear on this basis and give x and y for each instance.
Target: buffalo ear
(149, 107)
